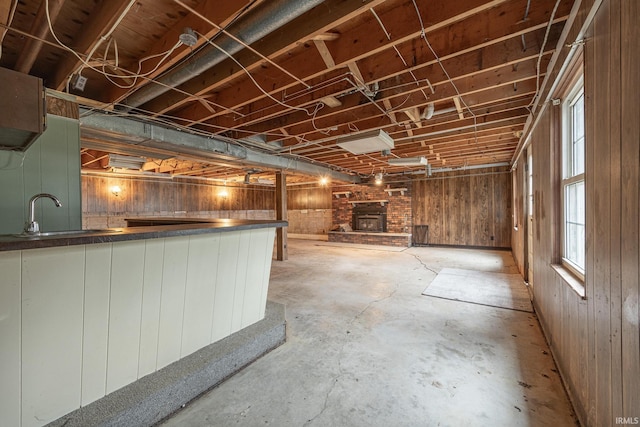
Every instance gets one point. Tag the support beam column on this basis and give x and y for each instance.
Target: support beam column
(282, 253)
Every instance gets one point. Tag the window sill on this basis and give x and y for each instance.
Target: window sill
(574, 283)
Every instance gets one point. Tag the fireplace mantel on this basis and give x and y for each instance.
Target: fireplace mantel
(382, 202)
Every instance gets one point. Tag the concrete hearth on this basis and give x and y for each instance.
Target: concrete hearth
(364, 238)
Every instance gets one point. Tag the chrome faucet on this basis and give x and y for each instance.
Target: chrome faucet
(32, 226)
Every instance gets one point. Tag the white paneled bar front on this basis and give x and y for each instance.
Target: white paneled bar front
(78, 322)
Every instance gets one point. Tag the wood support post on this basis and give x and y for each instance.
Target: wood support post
(282, 253)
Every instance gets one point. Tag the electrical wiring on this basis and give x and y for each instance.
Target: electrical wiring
(73, 52)
(248, 73)
(423, 35)
(166, 120)
(319, 106)
(111, 30)
(86, 64)
(239, 41)
(165, 55)
(239, 14)
(526, 14)
(544, 42)
(399, 54)
(10, 160)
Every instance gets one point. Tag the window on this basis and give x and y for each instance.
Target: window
(573, 188)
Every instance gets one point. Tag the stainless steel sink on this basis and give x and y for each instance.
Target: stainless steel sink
(65, 233)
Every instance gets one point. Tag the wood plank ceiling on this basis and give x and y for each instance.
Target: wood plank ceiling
(451, 81)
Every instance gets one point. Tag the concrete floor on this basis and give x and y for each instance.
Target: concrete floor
(365, 348)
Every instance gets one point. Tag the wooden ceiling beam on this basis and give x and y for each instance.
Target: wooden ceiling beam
(489, 155)
(304, 64)
(104, 16)
(221, 13)
(431, 139)
(367, 47)
(471, 78)
(471, 89)
(488, 56)
(326, 37)
(39, 30)
(501, 119)
(413, 146)
(317, 22)
(503, 147)
(458, 103)
(324, 53)
(431, 146)
(460, 145)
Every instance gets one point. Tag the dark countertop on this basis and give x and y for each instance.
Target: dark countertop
(161, 220)
(10, 242)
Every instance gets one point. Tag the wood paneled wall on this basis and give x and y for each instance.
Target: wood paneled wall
(466, 208)
(596, 340)
(147, 196)
(308, 198)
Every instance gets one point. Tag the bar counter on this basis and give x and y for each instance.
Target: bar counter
(85, 313)
(170, 228)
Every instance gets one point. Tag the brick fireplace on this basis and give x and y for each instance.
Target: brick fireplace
(378, 215)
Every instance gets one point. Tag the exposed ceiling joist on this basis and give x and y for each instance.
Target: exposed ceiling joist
(451, 81)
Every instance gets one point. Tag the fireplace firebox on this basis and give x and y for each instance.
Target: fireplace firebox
(370, 217)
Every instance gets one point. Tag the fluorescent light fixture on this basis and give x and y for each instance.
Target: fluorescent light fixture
(409, 161)
(126, 162)
(366, 142)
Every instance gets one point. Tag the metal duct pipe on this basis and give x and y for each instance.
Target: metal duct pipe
(250, 28)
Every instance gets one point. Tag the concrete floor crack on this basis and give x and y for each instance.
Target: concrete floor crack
(326, 401)
(335, 379)
(423, 264)
(373, 302)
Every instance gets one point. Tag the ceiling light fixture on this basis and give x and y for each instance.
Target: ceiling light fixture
(378, 178)
(409, 161)
(366, 142)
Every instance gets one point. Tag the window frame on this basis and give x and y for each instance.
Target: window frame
(569, 176)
